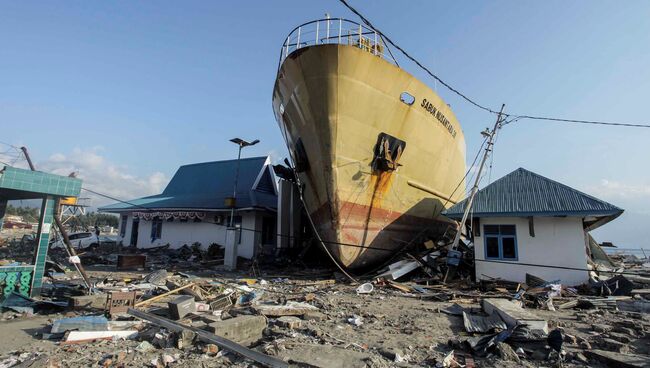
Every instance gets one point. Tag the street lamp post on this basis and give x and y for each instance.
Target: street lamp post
(241, 143)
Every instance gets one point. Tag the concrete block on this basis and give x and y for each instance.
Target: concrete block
(513, 314)
(181, 306)
(244, 330)
(314, 316)
(289, 322)
(613, 359)
(289, 309)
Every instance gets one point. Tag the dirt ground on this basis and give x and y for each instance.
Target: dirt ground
(386, 328)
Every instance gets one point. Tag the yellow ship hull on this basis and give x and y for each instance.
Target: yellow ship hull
(376, 170)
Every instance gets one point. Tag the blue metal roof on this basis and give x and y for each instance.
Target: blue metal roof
(207, 185)
(524, 193)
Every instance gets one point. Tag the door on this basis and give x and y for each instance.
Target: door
(134, 232)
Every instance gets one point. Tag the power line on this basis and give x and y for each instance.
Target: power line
(632, 125)
(554, 267)
(463, 96)
(482, 107)
(390, 250)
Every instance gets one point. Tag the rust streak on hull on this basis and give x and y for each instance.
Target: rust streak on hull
(332, 103)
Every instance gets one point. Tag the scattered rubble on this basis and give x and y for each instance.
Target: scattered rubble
(174, 313)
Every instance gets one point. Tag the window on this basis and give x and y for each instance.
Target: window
(123, 225)
(156, 228)
(500, 242)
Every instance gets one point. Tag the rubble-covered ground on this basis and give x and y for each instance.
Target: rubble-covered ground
(387, 327)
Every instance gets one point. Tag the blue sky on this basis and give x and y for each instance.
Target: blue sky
(125, 92)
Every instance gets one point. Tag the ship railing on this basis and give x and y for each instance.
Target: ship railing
(336, 31)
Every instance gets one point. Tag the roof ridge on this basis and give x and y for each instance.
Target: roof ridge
(568, 187)
(223, 161)
(525, 191)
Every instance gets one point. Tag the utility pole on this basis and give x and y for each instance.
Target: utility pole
(470, 200)
(241, 143)
(64, 233)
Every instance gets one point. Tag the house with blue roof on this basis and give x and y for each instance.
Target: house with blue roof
(526, 223)
(195, 207)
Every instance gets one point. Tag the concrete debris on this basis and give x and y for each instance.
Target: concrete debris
(189, 312)
(288, 309)
(514, 315)
(88, 336)
(507, 353)
(289, 322)
(613, 359)
(244, 330)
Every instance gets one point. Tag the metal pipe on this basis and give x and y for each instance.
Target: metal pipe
(340, 25)
(29, 160)
(328, 30)
(360, 35)
(375, 50)
(298, 41)
(68, 245)
(234, 191)
(263, 359)
(317, 25)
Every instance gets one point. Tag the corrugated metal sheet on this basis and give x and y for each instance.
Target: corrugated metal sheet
(482, 324)
(206, 186)
(524, 193)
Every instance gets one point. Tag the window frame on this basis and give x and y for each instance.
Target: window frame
(156, 228)
(500, 238)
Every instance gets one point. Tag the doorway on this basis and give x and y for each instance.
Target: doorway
(134, 232)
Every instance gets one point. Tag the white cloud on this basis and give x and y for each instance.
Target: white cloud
(611, 189)
(101, 175)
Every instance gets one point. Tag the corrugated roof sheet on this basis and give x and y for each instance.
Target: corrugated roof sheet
(525, 193)
(206, 186)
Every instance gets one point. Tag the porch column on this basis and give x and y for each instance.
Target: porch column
(42, 244)
(230, 256)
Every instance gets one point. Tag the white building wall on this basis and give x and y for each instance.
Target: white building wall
(178, 233)
(557, 242)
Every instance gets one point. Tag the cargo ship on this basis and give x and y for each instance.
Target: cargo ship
(377, 152)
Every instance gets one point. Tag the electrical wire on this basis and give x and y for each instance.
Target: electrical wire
(375, 248)
(471, 101)
(632, 125)
(406, 54)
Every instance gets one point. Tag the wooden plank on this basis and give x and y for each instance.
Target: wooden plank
(79, 336)
(161, 296)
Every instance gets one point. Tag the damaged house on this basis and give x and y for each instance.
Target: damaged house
(526, 223)
(195, 208)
